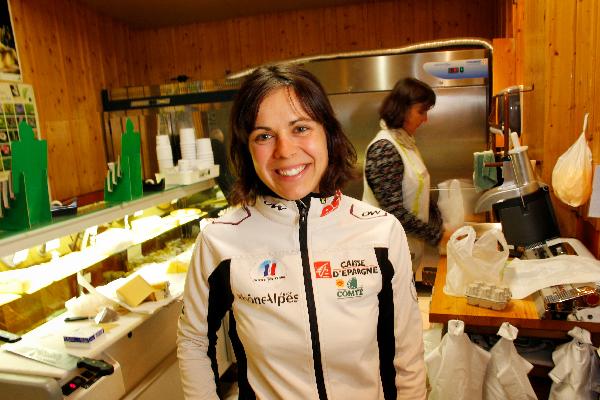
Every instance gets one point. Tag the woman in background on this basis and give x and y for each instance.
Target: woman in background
(395, 176)
(318, 285)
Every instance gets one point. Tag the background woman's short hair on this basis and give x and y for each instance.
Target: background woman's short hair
(406, 92)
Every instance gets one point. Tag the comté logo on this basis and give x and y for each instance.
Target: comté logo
(322, 269)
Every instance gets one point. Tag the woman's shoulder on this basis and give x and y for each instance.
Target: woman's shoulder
(233, 216)
(370, 223)
(381, 148)
(364, 211)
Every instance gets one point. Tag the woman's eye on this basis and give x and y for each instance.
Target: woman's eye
(262, 137)
(302, 129)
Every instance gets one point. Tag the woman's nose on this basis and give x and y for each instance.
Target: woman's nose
(285, 147)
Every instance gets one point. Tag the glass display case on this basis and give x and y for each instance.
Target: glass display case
(103, 242)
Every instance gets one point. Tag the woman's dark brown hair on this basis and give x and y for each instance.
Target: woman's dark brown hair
(406, 92)
(314, 101)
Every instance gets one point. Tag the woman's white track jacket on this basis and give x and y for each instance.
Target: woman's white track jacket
(322, 298)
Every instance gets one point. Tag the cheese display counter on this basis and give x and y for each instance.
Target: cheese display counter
(99, 249)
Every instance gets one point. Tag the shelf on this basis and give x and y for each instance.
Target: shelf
(11, 242)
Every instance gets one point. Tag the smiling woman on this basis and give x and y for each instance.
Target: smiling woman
(314, 281)
(288, 148)
(286, 139)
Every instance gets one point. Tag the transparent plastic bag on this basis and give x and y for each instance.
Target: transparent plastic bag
(471, 259)
(572, 174)
(450, 203)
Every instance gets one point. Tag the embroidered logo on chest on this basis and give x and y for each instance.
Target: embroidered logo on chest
(268, 271)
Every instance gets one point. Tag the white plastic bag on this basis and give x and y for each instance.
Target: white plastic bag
(450, 203)
(456, 368)
(572, 174)
(471, 260)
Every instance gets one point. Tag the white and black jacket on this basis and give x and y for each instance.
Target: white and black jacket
(322, 299)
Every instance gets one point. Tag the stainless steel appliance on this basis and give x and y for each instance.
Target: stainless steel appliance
(521, 203)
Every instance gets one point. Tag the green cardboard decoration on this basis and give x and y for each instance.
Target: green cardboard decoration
(129, 185)
(31, 205)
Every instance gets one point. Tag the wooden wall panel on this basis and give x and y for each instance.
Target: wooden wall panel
(503, 64)
(69, 53)
(251, 41)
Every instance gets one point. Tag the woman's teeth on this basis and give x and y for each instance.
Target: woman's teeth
(291, 171)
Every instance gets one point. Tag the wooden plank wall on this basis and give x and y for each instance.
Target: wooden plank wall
(557, 50)
(69, 53)
(212, 50)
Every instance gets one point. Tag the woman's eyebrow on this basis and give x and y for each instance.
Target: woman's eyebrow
(301, 119)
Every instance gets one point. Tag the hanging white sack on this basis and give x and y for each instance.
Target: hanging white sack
(575, 374)
(450, 203)
(572, 174)
(506, 376)
(456, 368)
(471, 260)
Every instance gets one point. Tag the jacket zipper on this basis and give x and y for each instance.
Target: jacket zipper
(310, 298)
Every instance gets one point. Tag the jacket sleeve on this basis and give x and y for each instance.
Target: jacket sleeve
(408, 327)
(197, 375)
(384, 171)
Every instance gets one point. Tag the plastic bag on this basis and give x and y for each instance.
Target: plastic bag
(572, 174)
(471, 260)
(450, 203)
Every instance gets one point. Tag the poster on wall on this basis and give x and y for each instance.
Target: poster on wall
(17, 103)
(9, 61)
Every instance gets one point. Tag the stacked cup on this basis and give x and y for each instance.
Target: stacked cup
(187, 144)
(204, 154)
(164, 153)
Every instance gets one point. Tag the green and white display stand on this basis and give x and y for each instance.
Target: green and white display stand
(124, 182)
(31, 203)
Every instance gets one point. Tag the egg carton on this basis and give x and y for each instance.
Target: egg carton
(487, 295)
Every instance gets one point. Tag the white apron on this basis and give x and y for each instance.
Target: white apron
(415, 184)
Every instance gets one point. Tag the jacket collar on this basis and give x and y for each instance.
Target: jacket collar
(287, 211)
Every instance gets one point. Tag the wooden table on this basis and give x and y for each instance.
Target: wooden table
(520, 313)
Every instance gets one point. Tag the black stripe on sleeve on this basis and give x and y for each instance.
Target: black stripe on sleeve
(385, 326)
(220, 299)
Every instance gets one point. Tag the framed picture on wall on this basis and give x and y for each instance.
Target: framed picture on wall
(10, 69)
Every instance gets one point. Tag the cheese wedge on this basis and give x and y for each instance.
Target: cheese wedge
(135, 291)
(177, 267)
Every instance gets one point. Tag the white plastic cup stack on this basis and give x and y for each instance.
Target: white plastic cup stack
(204, 154)
(187, 143)
(185, 165)
(164, 153)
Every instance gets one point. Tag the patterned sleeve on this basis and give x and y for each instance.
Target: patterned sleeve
(384, 171)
